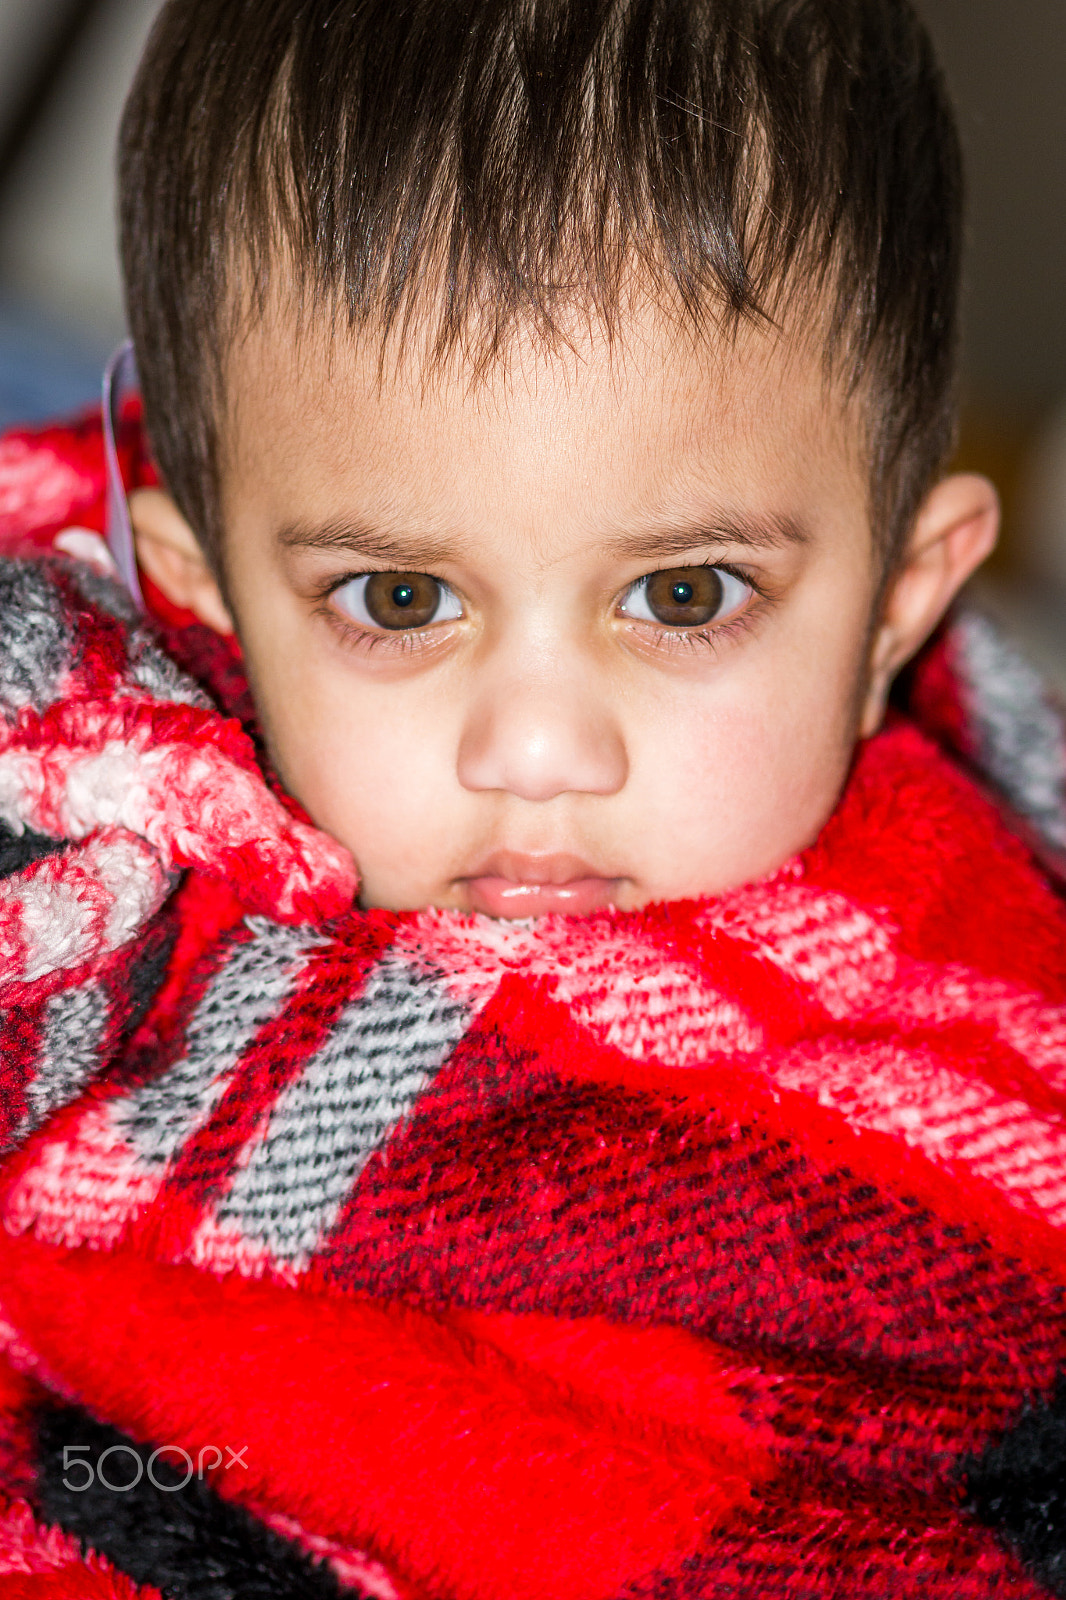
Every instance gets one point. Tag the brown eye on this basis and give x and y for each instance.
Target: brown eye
(401, 599)
(686, 597)
(397, 600)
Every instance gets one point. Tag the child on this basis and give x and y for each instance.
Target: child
(552, 397)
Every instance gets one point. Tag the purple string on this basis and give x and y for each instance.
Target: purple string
(120, 377)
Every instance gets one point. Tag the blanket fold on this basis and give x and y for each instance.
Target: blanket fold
(713, 1249)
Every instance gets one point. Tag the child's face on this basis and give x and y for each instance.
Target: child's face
(592, 628)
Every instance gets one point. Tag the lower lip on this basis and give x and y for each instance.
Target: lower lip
(499, 897)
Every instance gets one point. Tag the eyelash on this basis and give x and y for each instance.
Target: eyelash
(402, 642)
(711, 638)
(407, 641)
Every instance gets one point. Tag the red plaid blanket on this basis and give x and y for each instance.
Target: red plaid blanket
(717, 1249)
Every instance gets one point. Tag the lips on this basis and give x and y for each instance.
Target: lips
(512, 885)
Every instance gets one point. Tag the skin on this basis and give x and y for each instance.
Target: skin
(551, 734)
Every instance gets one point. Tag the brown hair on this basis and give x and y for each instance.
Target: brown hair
(505, 156)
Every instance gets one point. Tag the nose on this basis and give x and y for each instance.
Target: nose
(540, 733)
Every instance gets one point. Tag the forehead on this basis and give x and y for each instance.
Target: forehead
(640, 420)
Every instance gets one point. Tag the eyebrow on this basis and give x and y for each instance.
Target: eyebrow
(414, 550)
(402, 551)
(754, 533)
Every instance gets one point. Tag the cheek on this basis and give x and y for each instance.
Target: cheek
(745, 759)
(372, 762)
(372, 766)
(742, 779)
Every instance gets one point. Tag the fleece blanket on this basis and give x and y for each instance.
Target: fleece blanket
(713, 1250)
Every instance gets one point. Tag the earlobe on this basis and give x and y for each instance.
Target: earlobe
(169, 552)
(955, 530)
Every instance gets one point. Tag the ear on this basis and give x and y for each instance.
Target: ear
(954, 531)
(168, 551)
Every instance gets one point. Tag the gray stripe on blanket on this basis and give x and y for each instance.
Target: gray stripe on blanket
(249, 990)
(38, 638)
(1022, 744)
(386, 1047)
(73, 1026)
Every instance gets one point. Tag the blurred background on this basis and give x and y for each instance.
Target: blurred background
(64, 66)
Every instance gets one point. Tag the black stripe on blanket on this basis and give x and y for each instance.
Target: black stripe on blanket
(20, 850)
(186, 1540)
(1018, 1488)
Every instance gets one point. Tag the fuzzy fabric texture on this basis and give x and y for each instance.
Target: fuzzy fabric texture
(713, 1250)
